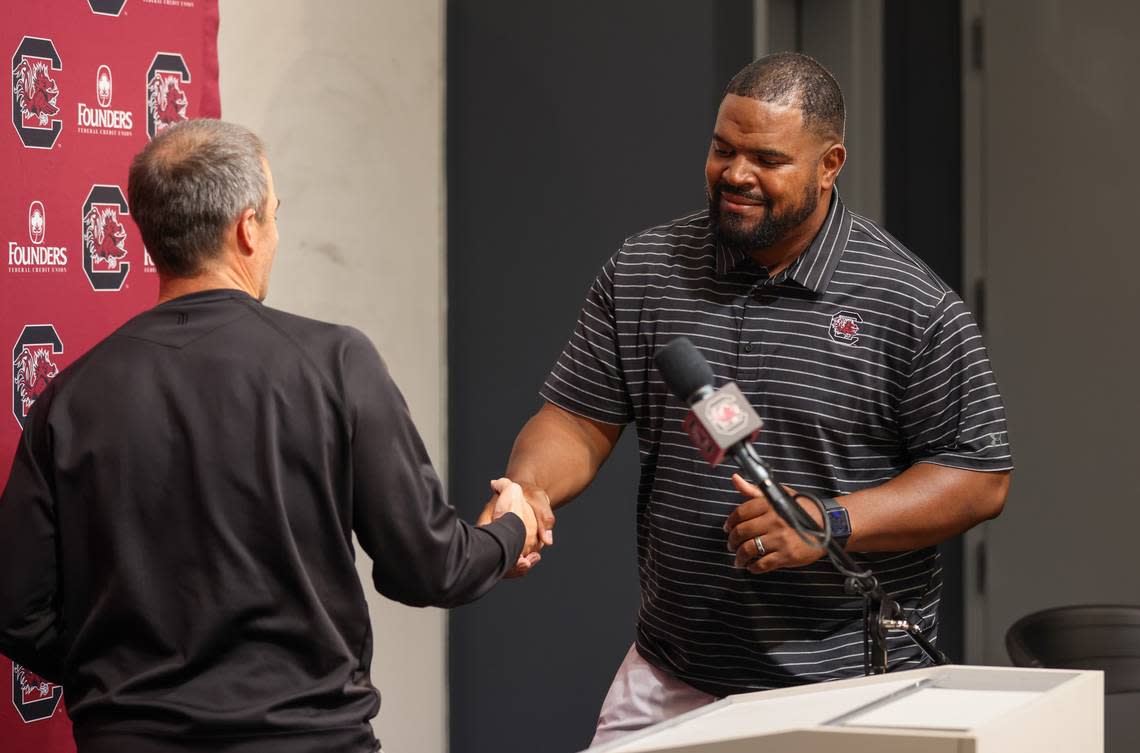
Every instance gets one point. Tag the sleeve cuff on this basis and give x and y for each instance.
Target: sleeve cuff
(510, 532)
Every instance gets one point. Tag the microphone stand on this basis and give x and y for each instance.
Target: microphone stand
(881, 613)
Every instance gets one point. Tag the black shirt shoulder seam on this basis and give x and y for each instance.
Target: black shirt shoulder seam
(256, 309)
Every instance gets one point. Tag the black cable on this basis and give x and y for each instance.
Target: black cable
(815, 539)
(860, 579)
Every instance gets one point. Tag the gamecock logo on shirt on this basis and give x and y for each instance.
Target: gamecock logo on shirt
(33, 367)
(35, 699)
(35, 93)
(166, 101)
(845, 327)
(104, 238)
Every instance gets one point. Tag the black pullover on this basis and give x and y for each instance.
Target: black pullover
(176, 532)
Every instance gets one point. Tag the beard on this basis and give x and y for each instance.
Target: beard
(732, 232)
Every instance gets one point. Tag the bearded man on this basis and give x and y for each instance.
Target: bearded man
(868, 370)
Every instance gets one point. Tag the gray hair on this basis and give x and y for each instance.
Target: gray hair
(189, 184)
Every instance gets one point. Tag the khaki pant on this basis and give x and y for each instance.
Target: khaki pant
(642, 695)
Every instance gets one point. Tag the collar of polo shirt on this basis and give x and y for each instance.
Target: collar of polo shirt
(814, 267)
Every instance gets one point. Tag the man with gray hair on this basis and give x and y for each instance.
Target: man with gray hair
(178, 555)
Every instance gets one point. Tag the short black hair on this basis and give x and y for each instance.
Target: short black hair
(794, 79)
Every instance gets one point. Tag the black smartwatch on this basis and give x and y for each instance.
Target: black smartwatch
(839, 519)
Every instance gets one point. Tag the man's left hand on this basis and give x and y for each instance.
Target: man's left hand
(783, 547)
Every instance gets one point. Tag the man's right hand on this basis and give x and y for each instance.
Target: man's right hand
(508, 497)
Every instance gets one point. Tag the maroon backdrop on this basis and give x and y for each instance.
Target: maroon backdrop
(92, 81)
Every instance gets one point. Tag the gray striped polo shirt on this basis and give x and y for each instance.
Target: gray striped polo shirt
(861, 362)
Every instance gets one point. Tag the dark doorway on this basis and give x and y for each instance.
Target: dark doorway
(570, 127)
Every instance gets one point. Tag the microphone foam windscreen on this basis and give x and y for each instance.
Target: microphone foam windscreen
(684, 368)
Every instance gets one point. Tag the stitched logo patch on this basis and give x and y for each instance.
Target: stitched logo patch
(845, 327)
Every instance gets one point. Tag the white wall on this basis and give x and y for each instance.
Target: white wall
(348, 97)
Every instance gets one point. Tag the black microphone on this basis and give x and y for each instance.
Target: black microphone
(721, 422)
(686, 371)
(720, 419)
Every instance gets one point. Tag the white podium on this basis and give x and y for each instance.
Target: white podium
(953, 709)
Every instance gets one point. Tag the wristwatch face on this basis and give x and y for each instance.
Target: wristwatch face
(840, 523)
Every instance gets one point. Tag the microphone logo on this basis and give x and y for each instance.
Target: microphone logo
(725, 414)
(720, 421)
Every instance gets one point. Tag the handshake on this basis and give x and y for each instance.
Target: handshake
(532, 505)
(759, 539)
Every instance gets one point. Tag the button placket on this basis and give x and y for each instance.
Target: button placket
(748, 351)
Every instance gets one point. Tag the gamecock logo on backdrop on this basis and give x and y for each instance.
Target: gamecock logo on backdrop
(105, 238)
(845, 327)
(107, 8)
(35, 699)
(37, 222)
(33, 368)
(166, 101)
(35, 93)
